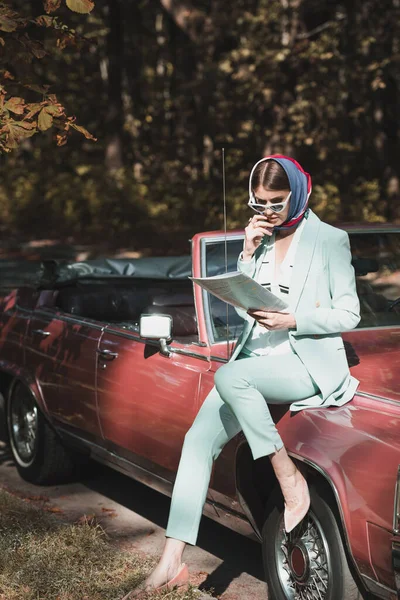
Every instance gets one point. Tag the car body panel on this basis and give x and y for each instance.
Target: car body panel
(158, 390)
(65, 366)
(379, 369)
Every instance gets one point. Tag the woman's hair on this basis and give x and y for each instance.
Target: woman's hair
(270, 175)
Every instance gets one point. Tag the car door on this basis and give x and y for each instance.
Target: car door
(61, 354)
(147, 400)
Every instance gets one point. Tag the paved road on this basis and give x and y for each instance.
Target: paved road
(135, 518)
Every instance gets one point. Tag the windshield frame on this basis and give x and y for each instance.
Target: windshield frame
(205, 295)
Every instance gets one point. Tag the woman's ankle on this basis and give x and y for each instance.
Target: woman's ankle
(171, 557)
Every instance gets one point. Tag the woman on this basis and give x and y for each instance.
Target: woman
(291, 357)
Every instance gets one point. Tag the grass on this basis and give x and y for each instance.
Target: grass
(44, 559)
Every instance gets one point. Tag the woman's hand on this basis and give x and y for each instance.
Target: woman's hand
(254, 233)
(273, 320)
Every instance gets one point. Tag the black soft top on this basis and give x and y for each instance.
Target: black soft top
(57, 273)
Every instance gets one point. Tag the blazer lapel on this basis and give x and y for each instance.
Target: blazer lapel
(304, 255)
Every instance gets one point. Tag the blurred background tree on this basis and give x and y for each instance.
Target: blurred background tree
(164, 85)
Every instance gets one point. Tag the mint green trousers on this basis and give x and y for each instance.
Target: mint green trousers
(239, 401)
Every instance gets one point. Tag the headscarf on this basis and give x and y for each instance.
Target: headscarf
(300, 186)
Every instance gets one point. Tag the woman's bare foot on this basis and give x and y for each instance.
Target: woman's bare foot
(166, 570)
(294, 489)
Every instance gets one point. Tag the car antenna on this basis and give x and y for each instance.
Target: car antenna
(225, 243)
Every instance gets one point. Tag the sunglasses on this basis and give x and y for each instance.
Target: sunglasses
(260, 206)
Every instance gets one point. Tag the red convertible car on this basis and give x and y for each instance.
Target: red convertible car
(80, 375)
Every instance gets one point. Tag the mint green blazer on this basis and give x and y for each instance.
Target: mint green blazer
(324, 301)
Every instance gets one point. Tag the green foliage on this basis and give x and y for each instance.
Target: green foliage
(165, 85)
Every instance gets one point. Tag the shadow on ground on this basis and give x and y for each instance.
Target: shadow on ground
(237, 553)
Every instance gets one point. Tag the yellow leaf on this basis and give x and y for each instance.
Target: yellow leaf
(80, 6)
(17, 131)
(33, 110)
(61, 139)
(45, 21)
(84, 131)
(7, 23)
(45, 121)
(15, 105)
(54, 110)
(51, 5)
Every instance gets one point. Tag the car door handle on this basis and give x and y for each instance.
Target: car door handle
(107, 354)
(41, 332)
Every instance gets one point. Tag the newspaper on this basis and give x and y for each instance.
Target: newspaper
(241, 291)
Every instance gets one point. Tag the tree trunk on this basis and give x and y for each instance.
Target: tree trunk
(115, 116)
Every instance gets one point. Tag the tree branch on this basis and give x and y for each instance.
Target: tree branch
(327, 25)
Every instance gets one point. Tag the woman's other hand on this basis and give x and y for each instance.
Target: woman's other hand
(254, 232)
(273, 320)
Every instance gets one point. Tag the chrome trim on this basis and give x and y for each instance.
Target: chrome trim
(203, 264)
(196, 307)
(127, 335)
(219, 359)
(190, 354)
(379, 328)
(378, 589)
(396, 563)
(123, 332)
(105, 353)
(205, 297)
(65, 317)
(379, 398)
(372, 229)
(165, 349)
(41, 332)
(396, 508)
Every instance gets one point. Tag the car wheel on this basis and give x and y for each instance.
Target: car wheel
(38, 452)
(309, 562)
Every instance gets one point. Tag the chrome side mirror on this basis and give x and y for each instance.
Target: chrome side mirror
(157, 327)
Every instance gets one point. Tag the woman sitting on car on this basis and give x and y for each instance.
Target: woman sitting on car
(294, 357)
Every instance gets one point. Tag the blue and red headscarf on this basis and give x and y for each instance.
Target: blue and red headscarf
(300, 186)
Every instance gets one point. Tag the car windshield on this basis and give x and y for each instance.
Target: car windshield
(376, 259)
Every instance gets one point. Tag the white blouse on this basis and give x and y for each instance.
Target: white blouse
(262, 342)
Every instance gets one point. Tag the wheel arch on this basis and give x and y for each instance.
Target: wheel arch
(254, 493)
(9, 377)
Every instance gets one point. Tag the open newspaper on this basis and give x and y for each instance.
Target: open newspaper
(241, 291)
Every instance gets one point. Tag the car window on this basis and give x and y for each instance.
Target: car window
(222, 315)
(376, 259)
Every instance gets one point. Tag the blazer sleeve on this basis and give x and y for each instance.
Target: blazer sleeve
(344, 313)
(249, 268)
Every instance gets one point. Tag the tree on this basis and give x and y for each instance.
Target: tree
(165, 85)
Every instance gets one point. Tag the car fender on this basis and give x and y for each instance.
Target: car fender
(356, 448)
(21, 374)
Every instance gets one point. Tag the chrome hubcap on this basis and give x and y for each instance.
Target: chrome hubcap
(303, 561)
(23, 426)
